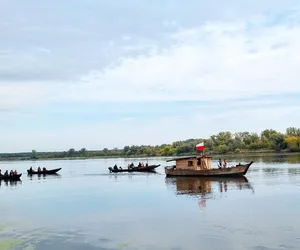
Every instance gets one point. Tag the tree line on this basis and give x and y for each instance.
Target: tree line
(269, 140)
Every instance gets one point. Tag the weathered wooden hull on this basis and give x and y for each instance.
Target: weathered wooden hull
(239, 170)
(10, 177)
(47, 172)
(150, 168)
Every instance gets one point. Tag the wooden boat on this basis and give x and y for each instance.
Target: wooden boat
(201, 166)
(150, 168)
(10, 177)
(46, 172)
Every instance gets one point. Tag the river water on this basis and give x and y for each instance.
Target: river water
(86, 207)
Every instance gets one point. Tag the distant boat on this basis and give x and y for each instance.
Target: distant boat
(43, 172)
(10, 177)
(201, 166)
(150, 168)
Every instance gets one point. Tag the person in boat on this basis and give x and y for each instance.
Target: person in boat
(30, 169)
(224, 163)
(6, 173)
(147, 164)
(142, 164)
(39, 169)
(0, 172)
(220, 163)
(115, 167)
(15, 172)
(11, 173)
(44, 169)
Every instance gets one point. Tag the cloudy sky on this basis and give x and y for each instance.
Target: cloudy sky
(104, 73)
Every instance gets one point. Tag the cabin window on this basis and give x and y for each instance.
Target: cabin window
(190, 163)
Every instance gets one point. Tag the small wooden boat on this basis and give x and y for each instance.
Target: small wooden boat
(201, 166)
(45, 172)
(150, 168)
(10, 177)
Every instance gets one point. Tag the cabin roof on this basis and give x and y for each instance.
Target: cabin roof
(188, 157)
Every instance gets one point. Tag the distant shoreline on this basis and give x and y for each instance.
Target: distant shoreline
(224, 144)
(235, 155)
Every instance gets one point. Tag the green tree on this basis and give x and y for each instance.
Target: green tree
(292, 131)
(293, 143)
(82, 151)
(34, 155)
(71, 152)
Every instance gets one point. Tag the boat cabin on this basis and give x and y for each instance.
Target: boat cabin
(192, 162)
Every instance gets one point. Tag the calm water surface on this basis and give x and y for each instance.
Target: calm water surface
(85, 207)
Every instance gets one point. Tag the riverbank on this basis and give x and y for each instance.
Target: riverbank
(214, 155)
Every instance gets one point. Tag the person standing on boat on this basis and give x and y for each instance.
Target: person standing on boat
(225, 163)
(220, 163)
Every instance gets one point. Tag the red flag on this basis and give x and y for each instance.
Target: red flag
(200, 146)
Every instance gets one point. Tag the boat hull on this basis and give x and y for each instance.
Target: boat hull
(10, 177)
(236, 171)
(150, 168)
(47, 172)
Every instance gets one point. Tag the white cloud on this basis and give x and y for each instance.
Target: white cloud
(214, 61)
(217, 62)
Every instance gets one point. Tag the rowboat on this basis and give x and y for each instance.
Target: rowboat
(201, 166)
(10, 177)
(150, 168)
(45, 172)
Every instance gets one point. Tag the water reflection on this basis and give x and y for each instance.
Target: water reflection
(10, 183)
(43, 176)
(203, 187)
(291, 158)
(294, 171)
(281, 171)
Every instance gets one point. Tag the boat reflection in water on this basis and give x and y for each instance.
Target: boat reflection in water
(205, 187)
(10, 183)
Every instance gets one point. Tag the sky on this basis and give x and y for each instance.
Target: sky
(103, 73)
